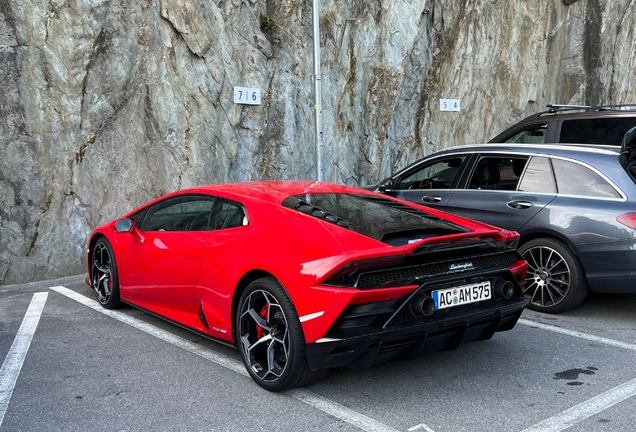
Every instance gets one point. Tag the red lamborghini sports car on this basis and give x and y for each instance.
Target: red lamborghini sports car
(305, 276)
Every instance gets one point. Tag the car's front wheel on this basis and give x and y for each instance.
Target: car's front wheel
(556, 280)
(104, 276)
(270, 337)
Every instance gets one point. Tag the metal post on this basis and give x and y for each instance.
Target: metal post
(318, 91)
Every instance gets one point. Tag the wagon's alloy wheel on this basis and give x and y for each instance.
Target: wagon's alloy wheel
(104, 274)
(264, 335)
(555, 281)
(270, 337)
(548, 276)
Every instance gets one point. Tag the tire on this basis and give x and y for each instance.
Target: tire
(556, 280)
(104, 276)
(270, 338)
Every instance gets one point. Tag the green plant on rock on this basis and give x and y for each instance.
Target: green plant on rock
(267, 24)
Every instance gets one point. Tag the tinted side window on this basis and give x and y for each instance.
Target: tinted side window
(438, 175)
(596, 131)
(538, 176)
(500, 173)
(575, 179)
(139, 217)
(227, 214)
(533, 135)
(183, 213)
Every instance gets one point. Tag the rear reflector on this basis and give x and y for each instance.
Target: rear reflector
(628, 219)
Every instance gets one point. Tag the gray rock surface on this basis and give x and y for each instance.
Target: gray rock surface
(105, 104)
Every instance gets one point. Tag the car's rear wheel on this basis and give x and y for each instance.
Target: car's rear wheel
(270, 337)
(104, 274)
(556, 280)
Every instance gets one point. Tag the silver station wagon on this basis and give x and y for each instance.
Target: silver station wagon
(574, 207)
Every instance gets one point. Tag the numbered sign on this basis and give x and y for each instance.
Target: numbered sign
(449, 105)
(247, 95)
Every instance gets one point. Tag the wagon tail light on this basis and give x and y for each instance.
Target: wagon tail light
(628, 219)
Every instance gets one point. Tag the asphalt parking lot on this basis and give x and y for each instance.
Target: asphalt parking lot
(70, 365)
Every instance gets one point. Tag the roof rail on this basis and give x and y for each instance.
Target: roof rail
(553, 108)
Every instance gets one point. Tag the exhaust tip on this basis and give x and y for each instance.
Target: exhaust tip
(423, 305)
(504, 289)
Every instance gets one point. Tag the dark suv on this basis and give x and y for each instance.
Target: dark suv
(573, 124)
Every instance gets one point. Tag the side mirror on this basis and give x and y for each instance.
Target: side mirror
(124, 225)
(629, 139)
(385, 185)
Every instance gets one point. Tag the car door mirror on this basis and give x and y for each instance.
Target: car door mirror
(385, 185)
(124, 225)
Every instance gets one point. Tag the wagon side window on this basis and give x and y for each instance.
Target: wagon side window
(441, 174)
(498, 173)
(578, 180)
(538, 177)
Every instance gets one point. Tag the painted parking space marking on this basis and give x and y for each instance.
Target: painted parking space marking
(155, 331)
(586, 409)
(325, 405)
(339, 411)
(14, 360)
(594, 405)
(589, 337)
(556, 423)
(420, 426)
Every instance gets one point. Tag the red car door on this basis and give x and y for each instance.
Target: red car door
(163, 267)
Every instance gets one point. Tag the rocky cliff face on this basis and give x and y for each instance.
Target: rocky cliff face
(105, 104)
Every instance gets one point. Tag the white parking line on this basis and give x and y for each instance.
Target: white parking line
(586, 409)
(601, 340)
(15, 358)
(155, 331)
(420, 426)
(332, 408)
(339, 411)
(592, 406)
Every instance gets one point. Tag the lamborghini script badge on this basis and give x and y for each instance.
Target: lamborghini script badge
(462, 266)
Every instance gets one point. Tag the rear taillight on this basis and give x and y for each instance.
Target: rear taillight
(508, 244)
(628, 219)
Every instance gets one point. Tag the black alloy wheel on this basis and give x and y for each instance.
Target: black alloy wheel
(104, 274)
(555, 281)
(270, 337)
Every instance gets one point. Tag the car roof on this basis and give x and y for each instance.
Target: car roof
(274, 191)
(559, 114)
(569, 150)
(587, 110)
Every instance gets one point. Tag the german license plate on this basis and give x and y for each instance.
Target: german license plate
(461, 295)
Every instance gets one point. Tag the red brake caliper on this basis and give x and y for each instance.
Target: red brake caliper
(260, 331)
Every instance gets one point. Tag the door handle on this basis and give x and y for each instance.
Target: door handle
(519, 204)
(431, 198)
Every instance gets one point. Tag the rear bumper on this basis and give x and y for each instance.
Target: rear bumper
(624, 283)
(445, 331)
(610, 267)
